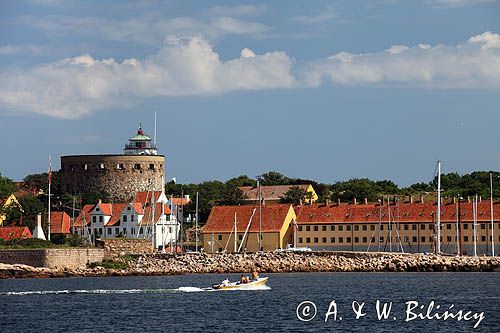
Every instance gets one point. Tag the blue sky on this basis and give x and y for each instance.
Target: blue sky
(325, 90)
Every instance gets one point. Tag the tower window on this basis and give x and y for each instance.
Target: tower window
(102, 166)
(151, 166)
(137, 166)
(85, 166)
(120, 166)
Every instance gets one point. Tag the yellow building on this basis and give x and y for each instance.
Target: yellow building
(273, 194)
(277, 228)
(4, 203)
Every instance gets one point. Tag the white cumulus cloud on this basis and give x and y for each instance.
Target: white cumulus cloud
(77, 86)
(473, 64)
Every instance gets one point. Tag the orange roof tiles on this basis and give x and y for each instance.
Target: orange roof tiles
(405, 212)
(221, 218)
(148, 212)
(117, 211)
(60, 223)
(84, 216)
(274, 192)
(8, 233)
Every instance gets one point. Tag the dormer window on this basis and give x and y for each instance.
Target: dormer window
(128, 208)
(97, 209)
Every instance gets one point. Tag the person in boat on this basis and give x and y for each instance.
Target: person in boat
(242, 279)
(247, 279)
(255, 275)
(225, 282)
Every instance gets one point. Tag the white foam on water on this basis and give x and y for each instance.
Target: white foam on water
(84, 291)
(190, 289)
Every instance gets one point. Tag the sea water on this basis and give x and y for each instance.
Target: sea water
(298, 302)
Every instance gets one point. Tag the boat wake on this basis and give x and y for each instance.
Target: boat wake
(118, 291)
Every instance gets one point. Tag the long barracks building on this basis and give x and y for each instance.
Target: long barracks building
(393, 226)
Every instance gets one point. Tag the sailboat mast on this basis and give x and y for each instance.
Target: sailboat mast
(438, 217)
(474, 211)
(196, 223)
(457, 227)
(260, 214)
(50, 183)
(491, 215)
(235, 233)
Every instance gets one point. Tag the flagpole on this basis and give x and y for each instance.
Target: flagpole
(50, 183)
(491, 215)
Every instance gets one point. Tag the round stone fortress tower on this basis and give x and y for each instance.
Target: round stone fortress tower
(139, 168)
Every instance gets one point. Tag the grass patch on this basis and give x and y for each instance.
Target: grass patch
(29, 243)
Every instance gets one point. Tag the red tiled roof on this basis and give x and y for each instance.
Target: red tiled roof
(117, 213)
(106, 208)
(60, 223)
(274, 192)
(221, 218)
(180, 201)
(84, 217)
(8, 233)
(405, 212)
(144, 197)
(148, 212)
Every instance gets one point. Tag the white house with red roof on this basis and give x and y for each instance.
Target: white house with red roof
(128, 220)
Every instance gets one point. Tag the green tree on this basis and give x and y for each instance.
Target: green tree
(242, 180)
(40, 181)
(7, 186)
(31, 207)
(274, 178)
(295, 195)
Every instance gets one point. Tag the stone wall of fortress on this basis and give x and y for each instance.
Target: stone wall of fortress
(121, 176)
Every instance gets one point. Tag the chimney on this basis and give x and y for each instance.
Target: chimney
(39, 220)
(186, 197)
(468, 198)
(338, 202)
(354, 201)
(454, 200)
(480, 198)
(38, 231)
(410, 199)
(421, 198)
(366, 201)
(100, 201)
(327, 202)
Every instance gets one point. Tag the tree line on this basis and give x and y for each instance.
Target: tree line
(33, 194)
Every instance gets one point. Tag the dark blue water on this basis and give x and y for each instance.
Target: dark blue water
(146, 304)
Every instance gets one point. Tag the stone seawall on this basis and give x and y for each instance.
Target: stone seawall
(53, 258)
(168, 264)
(114, 248)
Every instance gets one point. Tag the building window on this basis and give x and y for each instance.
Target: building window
(332, 228)
(308, 240)
(141, 231)
(124, 218)
(219, 237)
(466, 238)
(124, 231)
(85, 167)
(300, 239)
(365, 239)
(422, 239)
(356, 228)
(332, 239)
(315, 228)
(137, 166)
(240, 237)
(132, 218)
(483, 226)
(120, 166)
(372, 227)
(315, 239)
(364, 227)
(430, 239)
(101, 166)
(348, 228)
(348, 239)
(381, 239)
(323, 228)
(151, 166)
(448, 226)
(431, 226)
(356, 239)
(101, 218)
(466, 226)
(448, 238)
(132, 231)
(422, 227)
(341, 239)
(413, 226)
(341, 227)
(323, 240)
(117, 231)
(300, 228)
(414, 239)
(308, 228)
(100, 231)
(381, 227)
(94, 219)
(407, 227)
(483, 238)
(109, 231)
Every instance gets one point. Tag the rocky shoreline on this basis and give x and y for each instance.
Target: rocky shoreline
(270, 262)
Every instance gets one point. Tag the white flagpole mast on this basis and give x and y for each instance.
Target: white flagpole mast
(155, 132)
(50, 183)
(235, 234)
(438, 217)
(491, 214)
